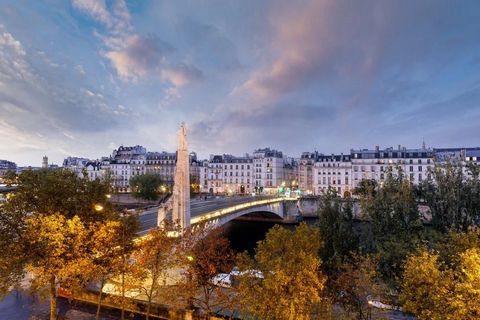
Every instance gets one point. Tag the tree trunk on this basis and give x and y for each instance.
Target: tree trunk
(150, 295)
(99, 301)
(149, 305)
(53, 299)
(122, 316)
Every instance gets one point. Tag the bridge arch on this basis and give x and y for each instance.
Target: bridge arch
(221, 217)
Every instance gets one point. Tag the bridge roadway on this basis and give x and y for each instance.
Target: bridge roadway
(198, 206)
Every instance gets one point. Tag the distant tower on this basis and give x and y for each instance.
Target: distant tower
(45, 162)
(423, 145)
(181, 188)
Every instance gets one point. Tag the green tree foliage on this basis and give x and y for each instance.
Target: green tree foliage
(60, 191)
(336, 230)
(393, 209)
(291, 283)
(453, 197)
(366, 188)
(146, 186)
(12, 256)
(396, 223)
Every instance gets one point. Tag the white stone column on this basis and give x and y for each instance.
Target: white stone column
(181, 188)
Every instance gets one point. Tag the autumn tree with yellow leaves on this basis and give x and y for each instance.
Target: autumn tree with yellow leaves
(157, 257)
(434, 290)
(284, 280)
(46, 228)
(56, 246)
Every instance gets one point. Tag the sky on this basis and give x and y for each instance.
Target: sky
(82, 77)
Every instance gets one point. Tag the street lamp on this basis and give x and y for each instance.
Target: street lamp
(98, 207)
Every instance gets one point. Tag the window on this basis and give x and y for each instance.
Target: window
(419, 168)
(411, 168)
(419, 160)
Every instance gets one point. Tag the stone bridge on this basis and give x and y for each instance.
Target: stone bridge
(284, 209)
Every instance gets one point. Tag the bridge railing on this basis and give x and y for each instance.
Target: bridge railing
(225, 211)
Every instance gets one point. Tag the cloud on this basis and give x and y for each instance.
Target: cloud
(97, 9)
(181, 75)
(117, 20)
(141, 57)
(40, 105)
(138, 57)
(133, 56)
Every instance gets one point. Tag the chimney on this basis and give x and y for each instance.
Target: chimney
(377, 148)
(399, 147)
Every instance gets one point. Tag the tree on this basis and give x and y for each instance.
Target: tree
(105, 251)
(336, 230)
(194, 185)
(207, 253)
(156, 255)
(434, 290)
(452, 196)
(145, 186)
(366, 188)
(61, 191)
(12, 256)
(284, 280)
(425, 287)
(127, 271)
(44, 225)
(396, 223)
(57, 250)
(10, 177)
(356, 282)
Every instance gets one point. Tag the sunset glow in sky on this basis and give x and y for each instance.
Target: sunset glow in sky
(82, 77)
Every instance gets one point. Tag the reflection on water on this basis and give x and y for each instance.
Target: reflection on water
(21, 306)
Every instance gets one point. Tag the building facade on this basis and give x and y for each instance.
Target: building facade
(268, 167)
(334, 171)
(306, 175)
